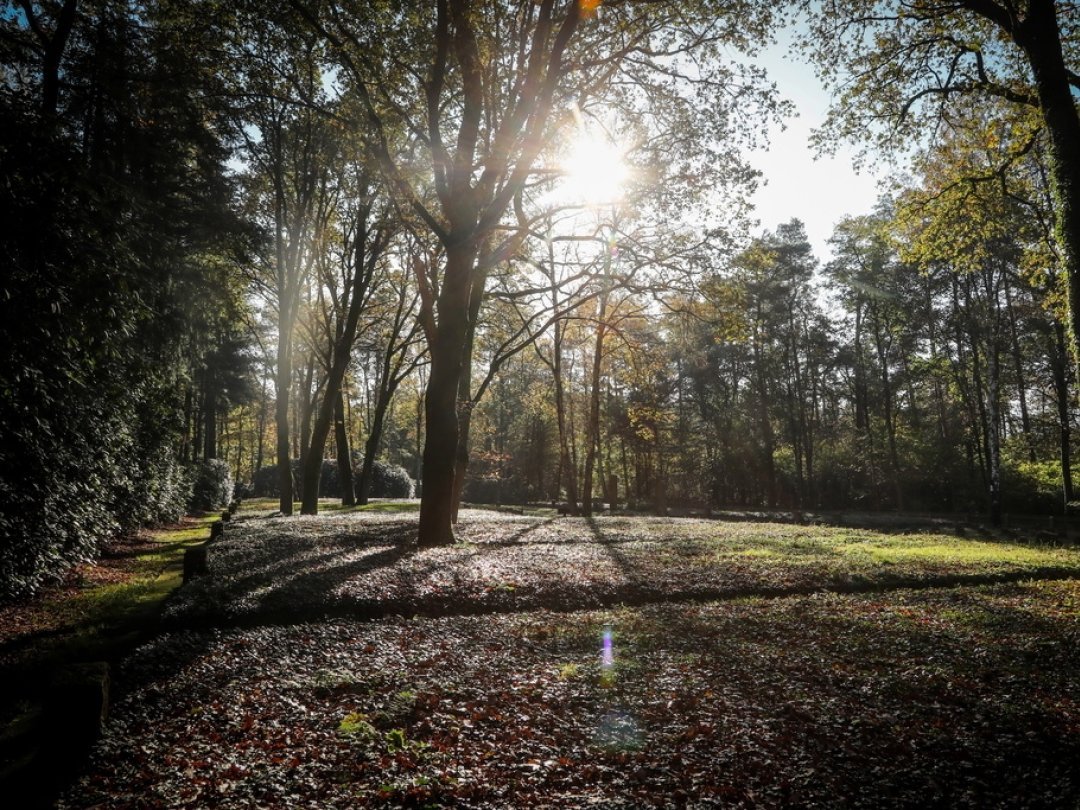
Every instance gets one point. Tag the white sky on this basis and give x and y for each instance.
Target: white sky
(819, 192)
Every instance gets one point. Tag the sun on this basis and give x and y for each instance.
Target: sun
(594, 171)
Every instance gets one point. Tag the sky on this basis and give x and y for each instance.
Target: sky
(819, 191)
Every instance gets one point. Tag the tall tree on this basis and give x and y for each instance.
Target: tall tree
(290, 147)
(366, 229)
(113, 146)
(904, 67)
(495, 81)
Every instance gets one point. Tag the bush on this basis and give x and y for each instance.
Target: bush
(491, 490)
(387, 480)
(161, 493)
(265, 480)
(212, 485)
(264, 483)
(390, 481)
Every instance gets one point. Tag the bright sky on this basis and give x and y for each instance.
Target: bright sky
(819, 192)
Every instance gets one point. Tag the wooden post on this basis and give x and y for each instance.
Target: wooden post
(195, 562)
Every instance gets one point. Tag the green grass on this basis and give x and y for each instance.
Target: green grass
(767, 544)
(102, 619)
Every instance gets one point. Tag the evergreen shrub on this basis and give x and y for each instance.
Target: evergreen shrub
(387, 480)
(212, 485)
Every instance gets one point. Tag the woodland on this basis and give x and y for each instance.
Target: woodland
(508, 251)
(467, 302)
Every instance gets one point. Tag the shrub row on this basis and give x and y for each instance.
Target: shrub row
(387, 480)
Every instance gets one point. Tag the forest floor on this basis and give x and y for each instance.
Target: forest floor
(610, 662)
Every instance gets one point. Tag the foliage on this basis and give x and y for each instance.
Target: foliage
(91, 615)
(388, 480)
(212, 485)
(115, 201)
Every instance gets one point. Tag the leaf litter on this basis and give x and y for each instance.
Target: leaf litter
(962, 696)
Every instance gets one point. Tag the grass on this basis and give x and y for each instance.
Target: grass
(869, 549)
(361, 563)
(100, 613)
(103, 607)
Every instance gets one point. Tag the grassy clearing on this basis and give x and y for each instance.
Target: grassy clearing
(958, 697)
(363, 563)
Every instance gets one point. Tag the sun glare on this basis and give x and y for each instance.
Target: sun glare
(594, 171)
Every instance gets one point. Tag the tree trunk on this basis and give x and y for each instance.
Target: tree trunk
(52, 54)
(283, 384)
(260, 446)
(341, 352)
(305, 402)
(465, 397)
(1021, 378)
(440, 404)
(593, 429)
(1040, 37)
(889, 409)
(209, 413)
(567, 468)
(1059, 360)
(371, 447)
(344, 459)
(311, 467)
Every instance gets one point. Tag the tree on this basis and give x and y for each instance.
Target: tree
(366, 233)
(113, 147)
(394, 339)
(290, 146)
(494, 84)
(911, 64)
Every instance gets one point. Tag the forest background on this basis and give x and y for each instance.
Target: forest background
(505, 251)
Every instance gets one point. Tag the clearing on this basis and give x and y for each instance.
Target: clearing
(614, 662)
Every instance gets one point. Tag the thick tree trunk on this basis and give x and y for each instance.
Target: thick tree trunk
(1040, 37)
(465, 398)
(440, 404)
(344, 459)
(311, 468)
